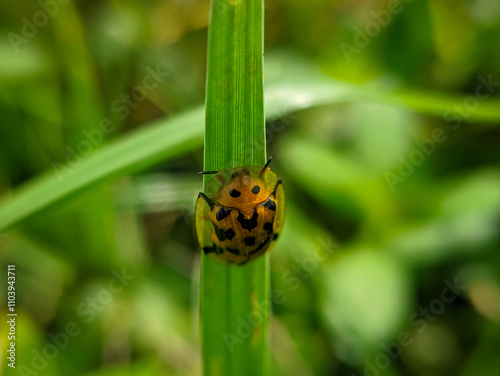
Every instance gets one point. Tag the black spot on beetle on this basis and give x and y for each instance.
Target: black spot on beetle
(220, 233)
(261, 245)
(224, 234)
(233, 251)
(230, 234)
(268, 227)
(212, 249)
(255, 189)
(270, 204)
(222, 213)
(248, 224)
(208, 250)
(254, 251)
(234, 193)
(264, 243)
(235, 174)
(249, 240)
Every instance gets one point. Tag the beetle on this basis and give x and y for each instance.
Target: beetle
(241, 215)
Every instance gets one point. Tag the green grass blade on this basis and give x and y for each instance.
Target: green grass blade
(234, 313)
(132, 153)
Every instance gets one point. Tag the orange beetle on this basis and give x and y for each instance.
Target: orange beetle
(242, 213)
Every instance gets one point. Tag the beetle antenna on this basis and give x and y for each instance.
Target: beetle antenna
(208, 172)
(266, 165)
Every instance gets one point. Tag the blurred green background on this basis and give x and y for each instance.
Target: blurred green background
(383, 122)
